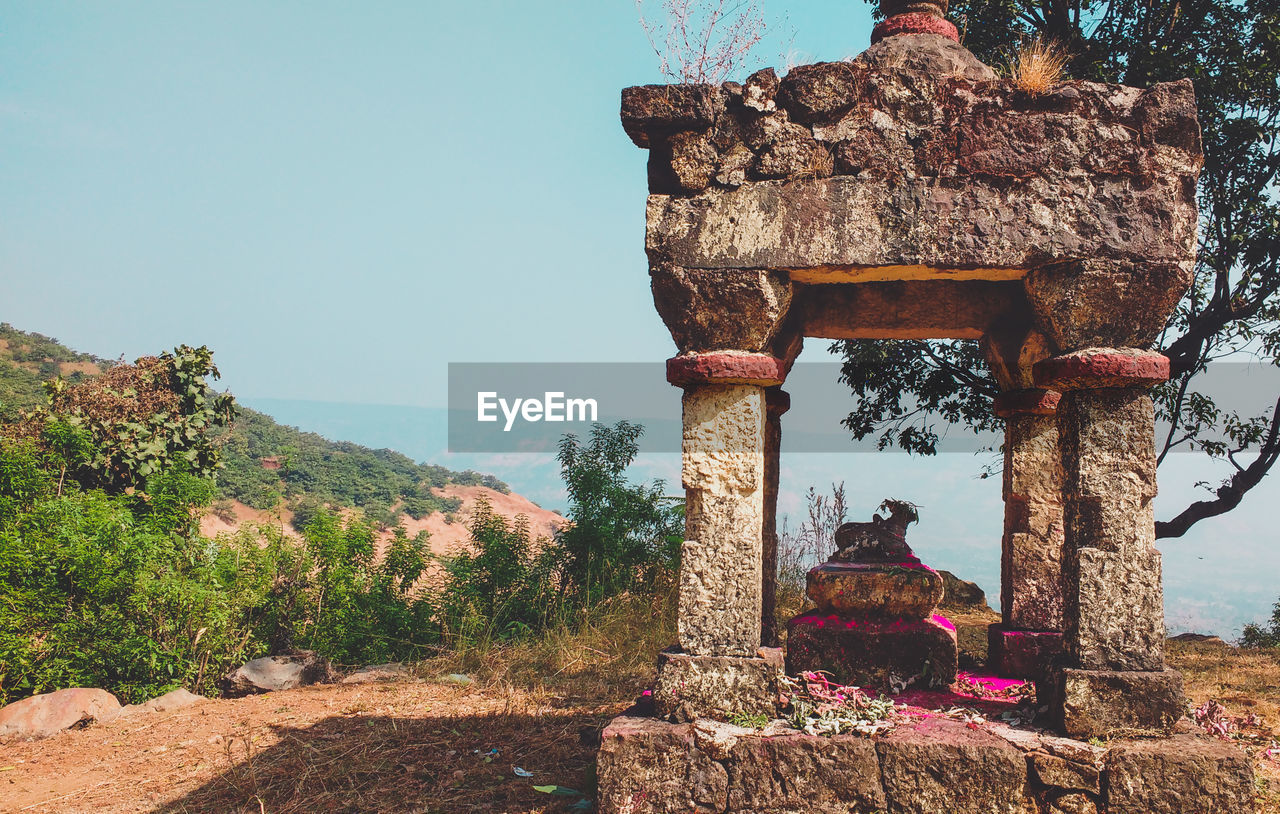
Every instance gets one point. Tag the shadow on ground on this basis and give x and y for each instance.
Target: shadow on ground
(351, 763)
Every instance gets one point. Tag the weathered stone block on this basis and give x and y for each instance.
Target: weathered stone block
(1183, 775)
(858, 590)
(649, 765)
(693, 160)
(760, 91)
(720, 574)
(1103, 303)
(667, 109)
(1022, 653)
(942, 765)
(1096, 703)
(914, 309)
(717, 687)
(846, 221)
(733, 309)
(1033, 471)
(926, 55)
(1059, 773)
(1115, 618)
(803, 773)
(1107, 435)
(868, 653)
(1033, 588)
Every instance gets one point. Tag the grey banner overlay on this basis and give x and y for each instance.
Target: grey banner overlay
(559, 398)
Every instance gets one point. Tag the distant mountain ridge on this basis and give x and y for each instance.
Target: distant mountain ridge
(269, 467)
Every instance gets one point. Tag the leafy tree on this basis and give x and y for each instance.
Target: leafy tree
(1231, 50)
(620, 536)
(499, 587)
(137, 420)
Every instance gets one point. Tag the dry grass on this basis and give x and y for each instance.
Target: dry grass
(1244, 681)
(1038, 66)
(609, 655)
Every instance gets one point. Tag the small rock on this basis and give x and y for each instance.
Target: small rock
(458, 678)
(759, 91)
(170, 701)
(297, 669)
(394, 671)
(717, 738)
(961, 592)
(43, 715)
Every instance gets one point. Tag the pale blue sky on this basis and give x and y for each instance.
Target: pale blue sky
(341, 198)
(338, 198)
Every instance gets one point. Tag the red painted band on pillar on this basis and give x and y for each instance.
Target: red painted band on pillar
(915, 22)
(1106, 367)
(726, 368)
(1031, 401)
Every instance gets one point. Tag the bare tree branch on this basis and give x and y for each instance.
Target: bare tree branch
(1231, 492)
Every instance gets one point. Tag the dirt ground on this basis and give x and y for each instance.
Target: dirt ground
(371, 747)
(428, 746)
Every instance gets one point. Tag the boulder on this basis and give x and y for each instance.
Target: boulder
(394, 671)
(43, 715)
(960, 592)
(172, 701)
(297, 669)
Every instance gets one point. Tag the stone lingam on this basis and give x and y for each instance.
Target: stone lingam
(874, 624)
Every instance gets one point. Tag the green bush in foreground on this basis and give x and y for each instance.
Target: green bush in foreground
(1265, 635)
(106, 582)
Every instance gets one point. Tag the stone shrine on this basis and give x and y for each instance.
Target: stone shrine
(874, 624)
(910, 193)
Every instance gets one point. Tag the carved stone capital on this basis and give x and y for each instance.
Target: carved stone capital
(1095, 368)
(726, 368)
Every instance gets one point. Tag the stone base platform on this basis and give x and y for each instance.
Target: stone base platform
(1099, 703)
(858, 590)
(867, 653)
(717, 687)
(1021, 653)
(932, 766)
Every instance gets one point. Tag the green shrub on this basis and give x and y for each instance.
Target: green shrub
(109, 591)
(1264, 635)
(621, 536)
(501, 589)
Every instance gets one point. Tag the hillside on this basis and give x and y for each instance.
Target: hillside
(273, 472)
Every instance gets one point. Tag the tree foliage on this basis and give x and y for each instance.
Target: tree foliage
(116, 430)
(621, 535)
(1231, 51)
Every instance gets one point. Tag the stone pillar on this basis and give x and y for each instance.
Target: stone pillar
(1111, 677)
(1029, 635)
(777, 402)
(718, 667)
